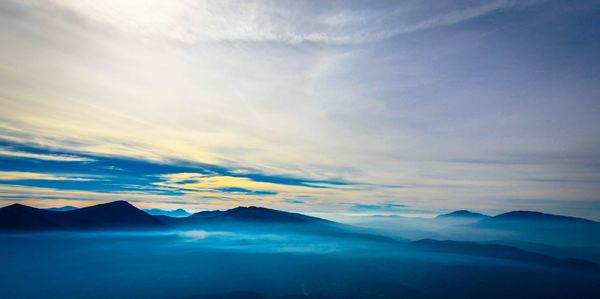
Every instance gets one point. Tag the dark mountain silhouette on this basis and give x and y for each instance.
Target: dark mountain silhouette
(62, 209)
(19, 217)
(256, 216)
(113, 215)
(462, 214)
(171, 213)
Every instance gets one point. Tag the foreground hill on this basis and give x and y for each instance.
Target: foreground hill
(113, 215)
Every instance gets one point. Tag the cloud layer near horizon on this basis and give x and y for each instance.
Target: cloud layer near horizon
(475, 104)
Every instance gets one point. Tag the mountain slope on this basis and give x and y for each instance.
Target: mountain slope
(19, 217)
(110, 215)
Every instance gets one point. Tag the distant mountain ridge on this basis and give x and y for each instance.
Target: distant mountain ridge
(537, 216)
(62, 209)
(171, 213)
(543, 228)
(463, 214)
(257, 214)
(531, 220)
(123, 215)
(249, 218)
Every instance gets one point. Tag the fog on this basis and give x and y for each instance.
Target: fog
(274, 264)
(564, 240)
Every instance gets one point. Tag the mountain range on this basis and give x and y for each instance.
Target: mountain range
(121, 215)
(113, 215)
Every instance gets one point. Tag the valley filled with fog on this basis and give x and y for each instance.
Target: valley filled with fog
(254, 258)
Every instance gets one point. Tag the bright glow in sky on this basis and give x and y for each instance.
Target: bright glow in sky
(310, 106)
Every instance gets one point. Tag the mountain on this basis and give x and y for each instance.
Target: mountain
(62, 209)
(171, 213)
(543, 228)
(122, 215)
(19, 217)
(530, 216)
(255, 216)
(113, 215)
(528, 220)
(462, 214)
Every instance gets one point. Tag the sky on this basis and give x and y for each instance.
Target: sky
(356, 107)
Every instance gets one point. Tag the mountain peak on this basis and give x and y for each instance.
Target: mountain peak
(463, 214)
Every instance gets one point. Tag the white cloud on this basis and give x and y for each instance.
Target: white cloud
(22, 175)
(7, 152)
(405, 111)
(290, 22)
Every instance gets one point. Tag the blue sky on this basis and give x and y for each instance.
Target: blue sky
(308, 106)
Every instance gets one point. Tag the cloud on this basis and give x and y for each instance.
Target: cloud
(456, 16)
(301, 98)
(192, 22)
(293, 201)
(225, 186)
(48, 157)
(20, 175)
(388, 207)
(299, 199)
(392, 209)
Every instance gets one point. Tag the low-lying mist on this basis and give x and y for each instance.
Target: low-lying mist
(274, 263)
